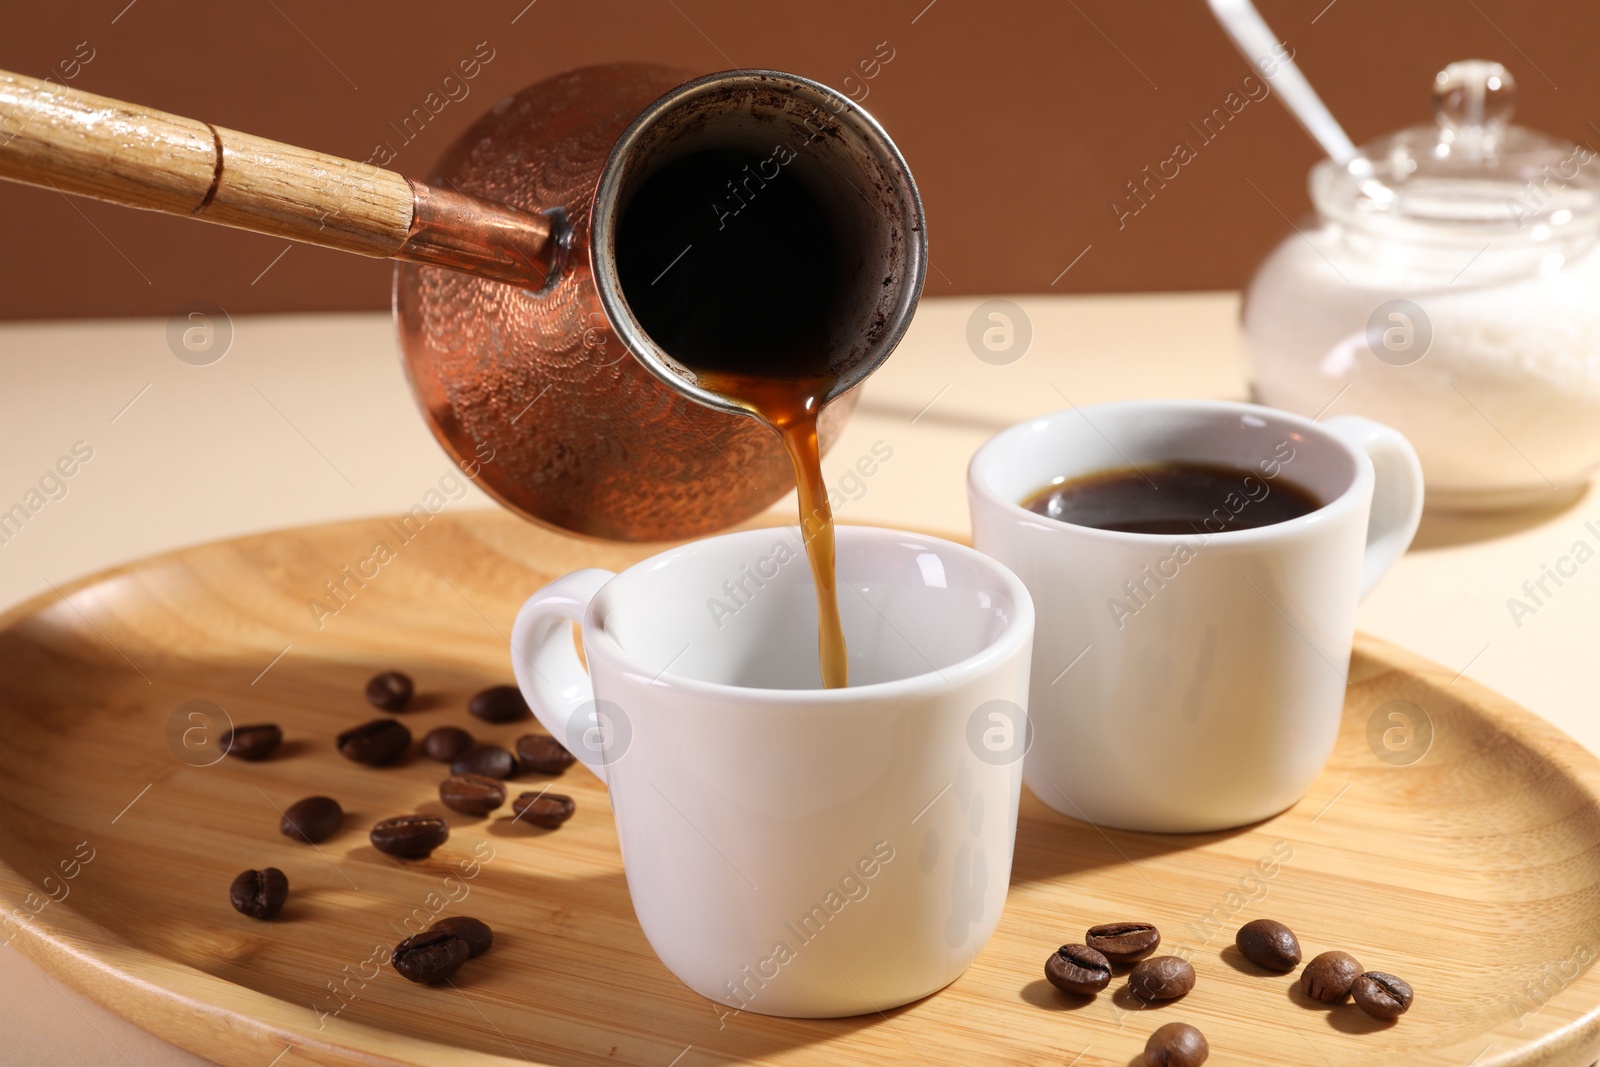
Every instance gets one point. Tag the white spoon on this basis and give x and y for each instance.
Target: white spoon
(1259, 45)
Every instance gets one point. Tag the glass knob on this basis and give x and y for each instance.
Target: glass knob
(1474, 95)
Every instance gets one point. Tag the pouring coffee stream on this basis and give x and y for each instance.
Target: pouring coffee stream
(793, 409)
(559, 220)
(738, 295)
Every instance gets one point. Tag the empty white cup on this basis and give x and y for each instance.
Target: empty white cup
(792, 850)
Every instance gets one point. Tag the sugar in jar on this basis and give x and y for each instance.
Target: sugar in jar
(1450, 287)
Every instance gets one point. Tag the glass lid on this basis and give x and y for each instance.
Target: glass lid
(1471, 173)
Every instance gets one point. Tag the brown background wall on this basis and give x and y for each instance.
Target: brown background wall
(1020, 118)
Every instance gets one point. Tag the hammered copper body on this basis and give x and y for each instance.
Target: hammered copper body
(547, 400)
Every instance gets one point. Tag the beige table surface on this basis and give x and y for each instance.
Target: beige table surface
(308, 419)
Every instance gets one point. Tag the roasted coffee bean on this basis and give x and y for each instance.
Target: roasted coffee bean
(1161, 978)
(1382, 996)
(259, 894)
(548, 810)
(447, 743)
(1078, 969)
(491, 761)
(377, 742)
(543, 754)
(252, 742)
(1328, 978)
(475, 932)
(1268, 944)
(1176, 1045)
(499, 703)
(1123, 942)
(312, 819)
(390, 691)
(431, 956)
(410, 836)
(472, 794)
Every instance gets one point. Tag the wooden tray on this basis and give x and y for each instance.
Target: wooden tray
(1473, 871)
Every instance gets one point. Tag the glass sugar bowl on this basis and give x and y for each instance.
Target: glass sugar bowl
(1450, 288)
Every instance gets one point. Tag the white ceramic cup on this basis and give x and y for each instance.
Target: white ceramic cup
(792, 850)
(1187, 683)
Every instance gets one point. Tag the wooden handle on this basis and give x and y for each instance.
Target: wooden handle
(80, 143)
(77, 142)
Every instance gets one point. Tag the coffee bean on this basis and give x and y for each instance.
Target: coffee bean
(1176, 1045)
(1078, 969)
(543, 754)
(447, 743)
(390, 691)
(475, 932)
(410, 836)
(1269, 944)
(1123, 942)
(548, 810)
(491, 761)
(430, 956)
(377, 742)
(1382, 996)
(499, 703)
(259, 894)
(1328, 978)
(252, 742)
(1161, 978)
(312, 819)
(472, 794)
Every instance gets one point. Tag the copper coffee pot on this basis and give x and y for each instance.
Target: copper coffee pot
(514, 321)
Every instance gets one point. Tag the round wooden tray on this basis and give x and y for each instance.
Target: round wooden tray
(1467, 861)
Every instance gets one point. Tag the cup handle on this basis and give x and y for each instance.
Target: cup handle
(1396, 494)
(545, 660)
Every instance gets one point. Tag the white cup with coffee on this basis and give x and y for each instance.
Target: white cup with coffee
(793, 850)
(1190, 681)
